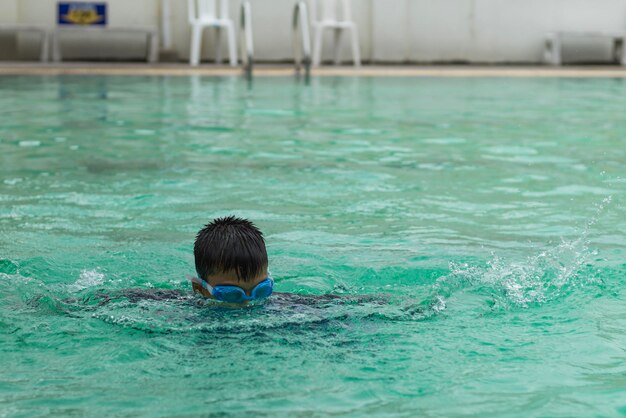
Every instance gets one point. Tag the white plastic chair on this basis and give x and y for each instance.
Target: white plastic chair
(330, 18)
(205, 14)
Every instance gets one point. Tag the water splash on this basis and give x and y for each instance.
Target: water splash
(537, 279)
(87, 279)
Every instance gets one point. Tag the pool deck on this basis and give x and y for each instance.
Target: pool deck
(181, 69)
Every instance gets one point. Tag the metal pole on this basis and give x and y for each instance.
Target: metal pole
(245, 36)
(301, 38)
(166, 30)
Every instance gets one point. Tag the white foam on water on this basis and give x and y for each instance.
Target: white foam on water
(271, 112)
(361, 131)
(87, 279)
(571, 190)
(439, 304)
(445, 141)
(144, 132)
(511, 150)
(29, 143)
(12, 182)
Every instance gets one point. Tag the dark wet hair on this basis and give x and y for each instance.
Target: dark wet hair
(228, 244)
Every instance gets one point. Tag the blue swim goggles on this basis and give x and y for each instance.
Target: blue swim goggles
(235, 294)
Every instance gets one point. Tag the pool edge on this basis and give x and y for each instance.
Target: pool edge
(135, 69)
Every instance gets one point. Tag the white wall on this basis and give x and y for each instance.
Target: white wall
(484, 31)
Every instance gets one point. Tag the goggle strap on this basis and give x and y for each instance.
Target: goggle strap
(203, 283)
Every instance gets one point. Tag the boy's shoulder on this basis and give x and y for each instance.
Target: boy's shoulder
(327, 298)
(278, 299)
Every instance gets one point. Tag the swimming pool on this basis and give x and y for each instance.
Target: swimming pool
(483, 217)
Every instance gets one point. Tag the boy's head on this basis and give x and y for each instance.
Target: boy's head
(230, 251)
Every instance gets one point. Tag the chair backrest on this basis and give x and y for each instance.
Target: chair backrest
(330, 10)
(207, 9)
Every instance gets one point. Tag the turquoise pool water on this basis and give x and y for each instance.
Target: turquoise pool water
(484, 220)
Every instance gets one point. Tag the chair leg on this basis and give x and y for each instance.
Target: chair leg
(552, 49)
(337, 46)
(56, 48)
(218, 45)
(356, 51)
(232, 45)
(622, 54)
(196, 43)
(153, 47)
(317, 46)
(45, 45)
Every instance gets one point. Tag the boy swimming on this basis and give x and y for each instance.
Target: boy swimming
(231, 261)
(232, 267)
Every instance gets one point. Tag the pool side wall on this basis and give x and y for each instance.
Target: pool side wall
(391, 31)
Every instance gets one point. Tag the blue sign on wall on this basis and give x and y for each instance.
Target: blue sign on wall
(82, 13)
